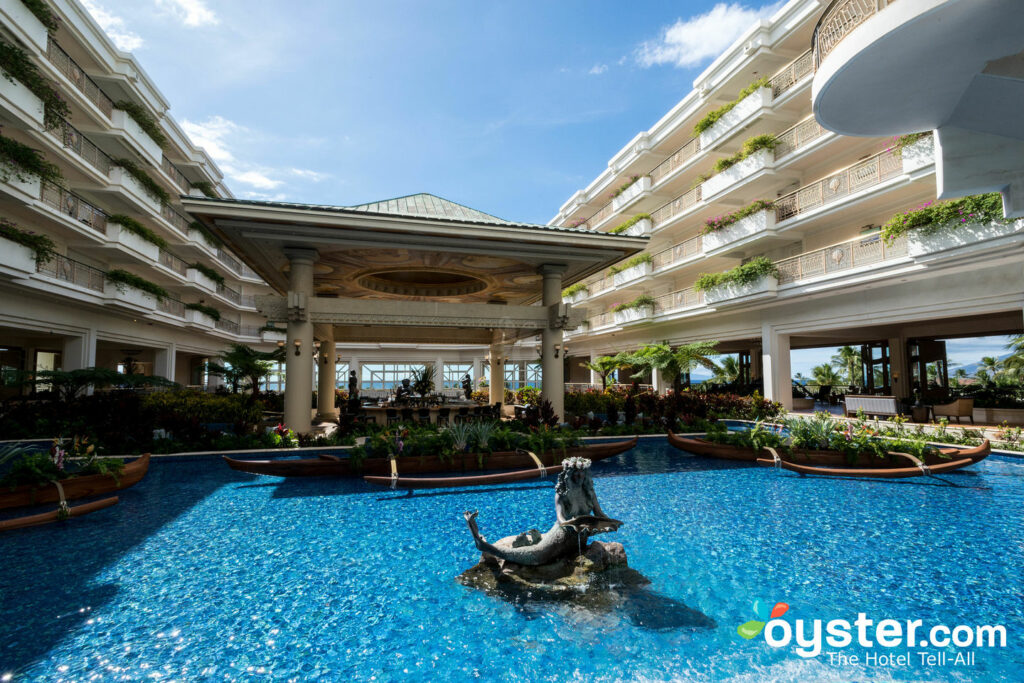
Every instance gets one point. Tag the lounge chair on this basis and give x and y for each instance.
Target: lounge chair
(960, 408)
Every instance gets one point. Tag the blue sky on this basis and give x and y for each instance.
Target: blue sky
(507, 107)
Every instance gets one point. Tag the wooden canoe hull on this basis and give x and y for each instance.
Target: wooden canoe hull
(873, 473)
(76, 487)
(54, 515)
(327, 466)
(475, 480)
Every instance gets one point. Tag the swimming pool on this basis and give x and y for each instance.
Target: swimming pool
(206, 573)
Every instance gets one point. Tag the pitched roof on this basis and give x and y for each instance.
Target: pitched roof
(424, 204)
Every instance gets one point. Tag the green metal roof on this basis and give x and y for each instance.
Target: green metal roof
(425, 204)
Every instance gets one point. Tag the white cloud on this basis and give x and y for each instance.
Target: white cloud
(598, 69)
(191, 12)
(257, 179)
(306, 174)
(212, 136)
(114, 27)
(689, 42)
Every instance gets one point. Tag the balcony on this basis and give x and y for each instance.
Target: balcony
(968, 237)
(20, 104)
(139, 140)
(631, 274)
(78, 78)
(678, 301)
(735, 293)
(171, 307)
(861, 176)
(271, 336)
(24, 190)
(602, 321)
(678, 207)
(180, 223)
(16, 260)
(600, 286)
(229, 326)
(72, 272)
(121, 180)
(176, 176)
(82, 146)
(688, 251)
(228, 260)
(201, 280)
(71, 206)
(199, 320)
(633, 315)
(740, 233)
(739, 117)
(740, 172)
(174, 264)
(640, 187)
(787, 77)
(130, 243)
(798, 137)
(680, 158)
(843, 258)
(22, 23)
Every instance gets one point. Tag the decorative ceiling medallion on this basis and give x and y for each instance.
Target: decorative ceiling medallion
(427, 283)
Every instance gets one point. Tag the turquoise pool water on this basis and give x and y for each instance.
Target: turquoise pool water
(203, 573)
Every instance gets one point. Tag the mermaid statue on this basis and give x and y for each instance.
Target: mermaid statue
(578, 514)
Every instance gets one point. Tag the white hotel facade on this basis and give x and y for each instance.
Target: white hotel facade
(838, 281)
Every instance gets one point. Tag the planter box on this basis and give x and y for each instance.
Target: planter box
(639, 229)
(126, 125)
(642, 185)
(758, 223)
(760, 160)
(956, 237)
(200, 280)
(199, 241)
(273, 337)
(16, 259)
(23, 24)
(803, 403)
(632, 315)
(19, 103)
(919, 154)
(122, 179)
(24, 189)
(996, 416)
(766, 287)
(575, 298)
(632, 273)
(745, 109)
(199, 319)
(132, 243)
(130, 298)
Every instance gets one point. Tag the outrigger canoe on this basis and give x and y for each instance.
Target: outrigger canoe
(916, 468)
(333, 466)
(475, 480)
(76, 487)
(55, 516)
(811, 457)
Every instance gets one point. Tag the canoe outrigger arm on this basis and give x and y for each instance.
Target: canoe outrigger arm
(536, 460)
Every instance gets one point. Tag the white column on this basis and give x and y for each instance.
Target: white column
(325, 401)
(595, 377)
(496, 387)
(778, 383)
(552, 367)
(298, 390)
(79, 352)
(478, 371)
(658, 382)
(438, 373)
(164, 361)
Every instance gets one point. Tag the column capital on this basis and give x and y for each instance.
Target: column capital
(552, 269)
(308, 254)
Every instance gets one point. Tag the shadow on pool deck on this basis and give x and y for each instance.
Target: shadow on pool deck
(58, 563)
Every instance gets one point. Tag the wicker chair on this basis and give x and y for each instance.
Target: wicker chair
(960, 408)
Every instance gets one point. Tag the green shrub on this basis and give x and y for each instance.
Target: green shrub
(719, 222)
(747, 273)
(712, 117)
(575, 289)
(17, 65)
(208, 311)
(934, 216)
(20, 161)
(151, 186)
(635, 261)
(625, 186)
(642, 301)
(208, 236)
(208, 272)
(205, 187)
(122, 278)
(145, 120)
(137, 228)
(42, 245)
(623, 227)
(901, 141)
(750, 147)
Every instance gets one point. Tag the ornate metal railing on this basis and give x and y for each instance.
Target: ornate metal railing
(72, 205)
(683, 298)
(228, 325)
(250, 331)
(229, 260)
(169, 260)
(790, 75)
(600, 215)
(871, 171)
(177, 176)
(73, 139)
(68, 270)
(677, 206)
(794, 138)
(230, 294)
(839, 20)
(677, 159)
(602, 320)
(250, 273)
(174, 218)
(171, 306)
(600, 285)
(861, 251)
(67, 66)
(248, 300)
(679, 252)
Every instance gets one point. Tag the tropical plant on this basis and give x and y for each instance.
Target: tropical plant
(205, 233)
(625, 186)
(208, 272)
(42, 245)
(1013, 364)
(750, 147)
(629, 263)
(719, 222)
(137, 228)
(422, 380)
(15, 64)
(623, 227)
(825, 375)
(151, 187)
(122, 278)
(642, 301)
(726, 371)
(901, 141)
(991, 366)
(749, 272)
(206, 187)
(68, 385)
(674, 363)
(145, 120)
(712, 117)
(933, 216)
(573, 290)
(848, 359)
(244, 363)
(208, 311)
(606, 365)
(21, 162)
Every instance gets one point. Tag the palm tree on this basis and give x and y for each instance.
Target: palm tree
(727, 372)
(1014, 363)
(825, 375)
(244, 363)
(673, 363)
(848, 359)
(991, 366)
(606, 365)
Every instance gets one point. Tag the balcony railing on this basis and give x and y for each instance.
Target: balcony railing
(67, 66)
(177, 176)
(171, 306)
(684, 298)
(601, 285)
(73, 139)
(249, 273)
(175, 219)
(854, 253)
(678, 158)
(679, 252)
(169, 260)
(72, 205)
(250, 331)
(677, 206)
(229, 260)
(792, 139)
(229, 294)
(228, 325)
(791, 74)
(839, 20)
(68, 270)
(871, 171)
(602, 320)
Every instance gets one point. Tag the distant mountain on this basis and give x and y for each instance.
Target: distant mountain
(973, 367)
